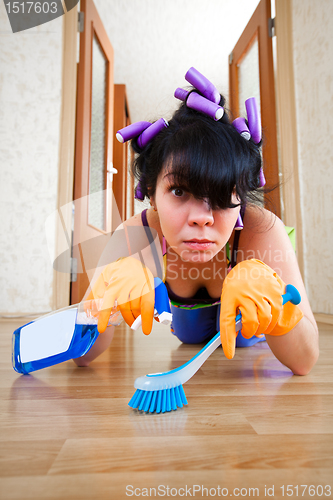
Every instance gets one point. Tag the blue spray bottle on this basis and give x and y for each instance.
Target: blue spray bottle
(69, 333)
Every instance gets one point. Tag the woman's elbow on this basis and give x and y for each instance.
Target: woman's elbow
(304, 365)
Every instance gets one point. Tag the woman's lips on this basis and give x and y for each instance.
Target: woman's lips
(198, 244)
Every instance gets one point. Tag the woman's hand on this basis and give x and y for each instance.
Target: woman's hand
(129, 283)
(257, 291)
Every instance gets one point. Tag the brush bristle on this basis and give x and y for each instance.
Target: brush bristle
(159, 401)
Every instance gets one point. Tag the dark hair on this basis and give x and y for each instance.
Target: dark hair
(208, 158)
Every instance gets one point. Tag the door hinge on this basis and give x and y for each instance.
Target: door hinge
(80, 22)
(271, 27)
(231, 57)
(73, 269)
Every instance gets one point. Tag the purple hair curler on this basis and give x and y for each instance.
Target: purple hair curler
(149, 133)
(133, 130)
(181, 94)
(241, 127)
(138, 195)
(239, 223)
(262, 180)
(254, 121)
(204, 86)
(253, 118)
(209, 108)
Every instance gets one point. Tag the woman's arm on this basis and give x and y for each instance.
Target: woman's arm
(298, 349)
(103, 341)
(269, 242)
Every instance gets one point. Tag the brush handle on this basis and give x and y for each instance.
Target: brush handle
(180, 375)
(291, 295)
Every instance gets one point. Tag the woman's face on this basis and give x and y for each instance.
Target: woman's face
(193, 230)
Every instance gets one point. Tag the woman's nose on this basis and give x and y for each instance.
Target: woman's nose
(200, 213)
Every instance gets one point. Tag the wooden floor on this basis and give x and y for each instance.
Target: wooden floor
(250, 428)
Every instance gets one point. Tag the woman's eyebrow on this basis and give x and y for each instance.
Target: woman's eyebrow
(171, 174)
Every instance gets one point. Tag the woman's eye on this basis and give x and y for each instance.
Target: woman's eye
(178, 192)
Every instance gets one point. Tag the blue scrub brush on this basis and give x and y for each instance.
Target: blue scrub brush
(162, 392)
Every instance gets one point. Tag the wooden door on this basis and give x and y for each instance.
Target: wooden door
(251, 73)
(122, 183)
(93, 154)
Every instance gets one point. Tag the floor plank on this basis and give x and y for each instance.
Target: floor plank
(68, 433)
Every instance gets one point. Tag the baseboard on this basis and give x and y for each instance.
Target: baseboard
(324, 318)
(21, 316)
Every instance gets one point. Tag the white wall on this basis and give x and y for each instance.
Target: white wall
(30, 98)
(313, 65)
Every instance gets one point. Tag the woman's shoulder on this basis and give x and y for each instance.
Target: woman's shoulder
(151, 218)
(258, 218)
(135, 220)
(263, 230)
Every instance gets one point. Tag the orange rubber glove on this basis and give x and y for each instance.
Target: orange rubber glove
(131, 284)
(257, 291)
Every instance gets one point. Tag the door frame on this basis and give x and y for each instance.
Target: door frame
(120, 151)
(258, 27)
(61, 279)
(84, 254)
(287, 124)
